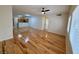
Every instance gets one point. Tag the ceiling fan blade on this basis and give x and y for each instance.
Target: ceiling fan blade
(47, 10)
(42, 10)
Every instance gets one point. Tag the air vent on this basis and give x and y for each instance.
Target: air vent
(59, 14)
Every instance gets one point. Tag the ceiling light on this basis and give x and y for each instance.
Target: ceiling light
(43, 12)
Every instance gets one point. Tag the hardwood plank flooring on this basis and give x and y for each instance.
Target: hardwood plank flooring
(40, 42)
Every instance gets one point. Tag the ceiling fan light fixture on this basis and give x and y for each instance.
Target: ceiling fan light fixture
(43, 12)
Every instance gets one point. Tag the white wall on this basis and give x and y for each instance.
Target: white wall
(6, 24)
(36, 22)
(57, 24)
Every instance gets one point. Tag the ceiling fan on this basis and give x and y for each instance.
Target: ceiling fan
(44, 10)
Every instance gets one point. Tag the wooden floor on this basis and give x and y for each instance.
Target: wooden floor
(40, 42)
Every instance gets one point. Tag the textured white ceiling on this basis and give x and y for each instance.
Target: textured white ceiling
(36, 9)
